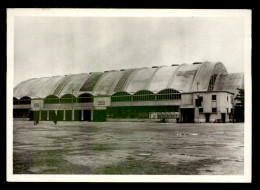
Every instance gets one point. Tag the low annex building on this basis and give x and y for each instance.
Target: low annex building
(198, 92)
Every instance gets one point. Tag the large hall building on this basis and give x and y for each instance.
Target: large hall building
(198, 92)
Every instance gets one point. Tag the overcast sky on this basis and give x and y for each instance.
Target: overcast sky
(49, 46)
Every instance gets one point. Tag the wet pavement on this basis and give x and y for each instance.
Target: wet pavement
(128, 148)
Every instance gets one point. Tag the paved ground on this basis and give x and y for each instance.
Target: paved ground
(128, 148)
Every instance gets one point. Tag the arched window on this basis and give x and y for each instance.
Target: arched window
(212, 82)
(168, 94)
(15, 101)
(144, 95)
(85, 98)
(67, 99)
(25, 100)
(121, 97)
(51, 99)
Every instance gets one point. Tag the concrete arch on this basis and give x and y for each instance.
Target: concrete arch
(183, 77)
(129, 79)
(173, 75)
(105, 83)
(206, 70)
(149, 81)
(139, 80)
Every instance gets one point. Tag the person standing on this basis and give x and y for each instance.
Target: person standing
(177, 119)
(55, 118)
(36, 117)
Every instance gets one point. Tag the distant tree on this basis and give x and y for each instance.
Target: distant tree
(241, 96)
(239, 108)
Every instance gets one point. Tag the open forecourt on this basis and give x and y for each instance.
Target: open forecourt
(128, 148)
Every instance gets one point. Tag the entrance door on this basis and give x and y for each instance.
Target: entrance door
(86, 115)
(77, 115)
(51, 115)
(207, 117)
(187, 115)
(99, 115)
(44, 115)
(223, 117)
(68, 116)
(60, 115)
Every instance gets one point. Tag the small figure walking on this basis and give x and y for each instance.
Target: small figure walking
(55, 118)
(177, 119)
(35, 117)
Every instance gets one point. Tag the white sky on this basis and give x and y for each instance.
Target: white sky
(49, 46)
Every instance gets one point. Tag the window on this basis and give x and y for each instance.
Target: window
(214, 110)
(214, 97)
(201, 110)
(51, 100)
(25, 100)
(197, 102)
(143, 95)
(121, 97)
(67, 99)
(84, 98)
(227, 98)
(15, 101)
(168, 94)
(212, 82)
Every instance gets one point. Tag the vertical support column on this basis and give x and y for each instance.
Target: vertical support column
(40, 115)
(64, 115)
(82, 115)
(92, 114)
(197, 113)
(72, 115)
(47, 115)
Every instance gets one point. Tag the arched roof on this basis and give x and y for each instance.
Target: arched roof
(106, 82)
(206, 70)
(161, 78)
(140, 79)
(47, 87)
(34, 87)
(74, 84)
(229, 82)
(183, 78)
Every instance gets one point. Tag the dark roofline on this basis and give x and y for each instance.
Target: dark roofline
(207, 92)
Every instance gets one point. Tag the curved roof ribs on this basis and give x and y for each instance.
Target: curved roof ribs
(40, 86)
(212, 68)
(100, 79)
(114, 84)
(123, 79)
(91, 82)
(148, 82)
(174, 73)
(195, 81)
(73, 85)
(130, 78)
(61, 84)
